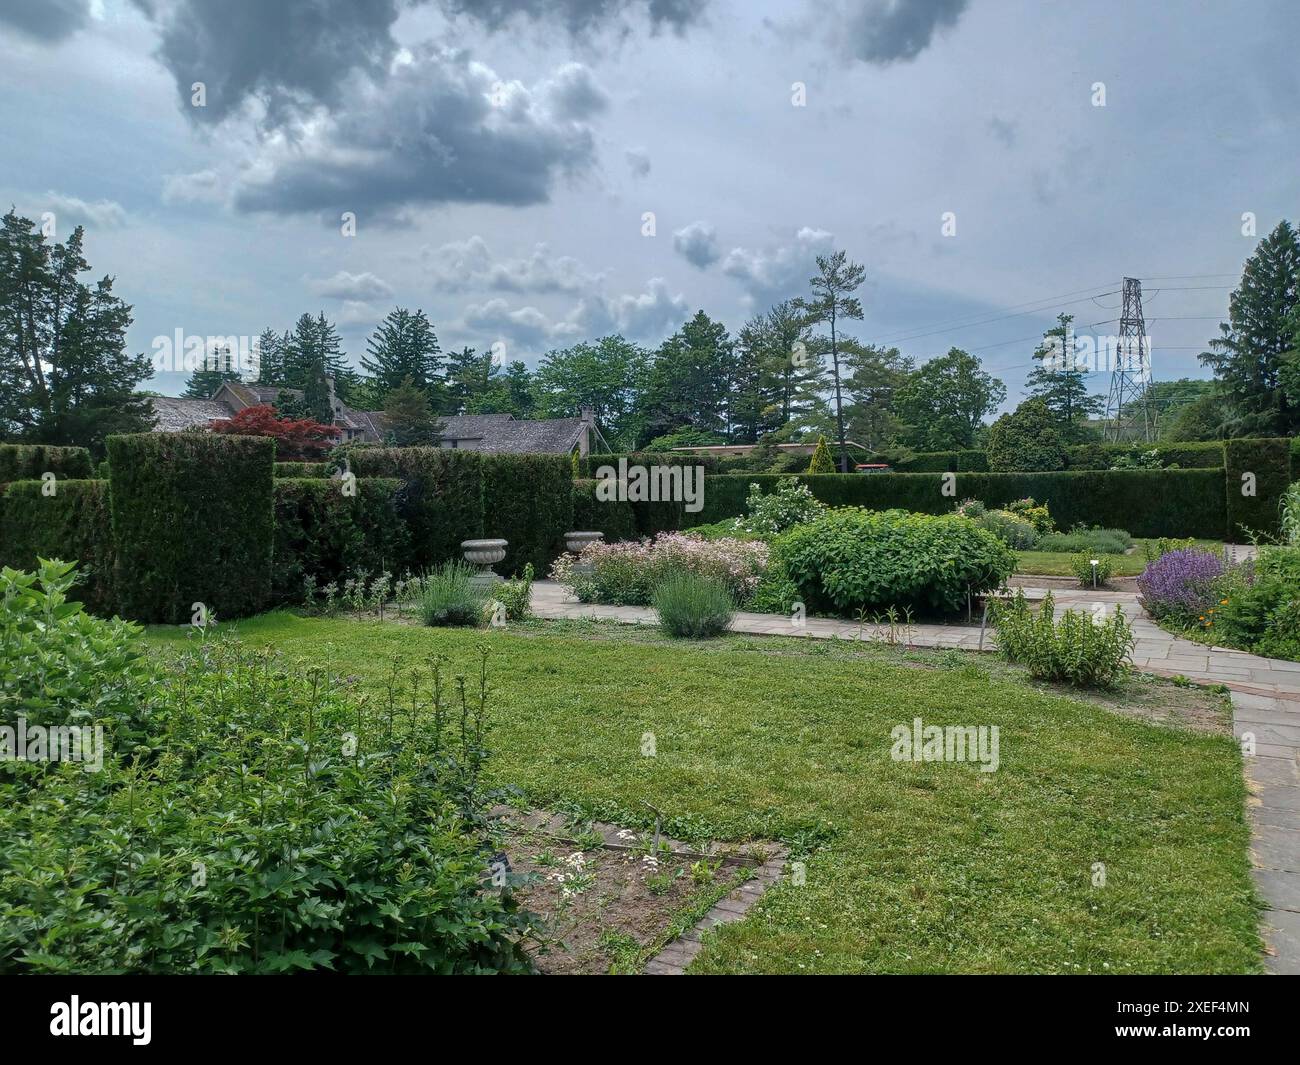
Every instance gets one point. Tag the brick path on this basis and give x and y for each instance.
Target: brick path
(1265, 696)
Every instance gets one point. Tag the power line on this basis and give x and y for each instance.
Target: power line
(1050, 301)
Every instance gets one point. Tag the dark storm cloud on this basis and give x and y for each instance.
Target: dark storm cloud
(286, 54)
(697, 244)
(45, 20)
(578, 16)
(441, 129)
(887, 31)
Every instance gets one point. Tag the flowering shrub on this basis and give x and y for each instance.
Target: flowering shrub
(790, 505)
(626, 574)
(1035, 513)
(1258, 605)
(1179, 586)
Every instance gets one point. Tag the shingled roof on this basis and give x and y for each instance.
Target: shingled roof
(503, 433)
(175, 414)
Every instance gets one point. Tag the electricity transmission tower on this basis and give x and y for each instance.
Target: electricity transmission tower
(1129, 416)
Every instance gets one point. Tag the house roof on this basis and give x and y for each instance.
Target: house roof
(503, 433)
(174, 414)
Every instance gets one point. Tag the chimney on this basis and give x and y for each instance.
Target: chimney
(588, 417)
(335, 408)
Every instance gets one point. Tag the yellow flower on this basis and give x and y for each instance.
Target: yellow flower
(1223, 602)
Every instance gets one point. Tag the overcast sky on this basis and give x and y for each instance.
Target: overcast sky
(499, 165)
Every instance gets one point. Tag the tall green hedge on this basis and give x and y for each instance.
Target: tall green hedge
(23, 462)
(617, 520)
(72, 525)
(1192, 455)
(588, 465)
(441, 499)
(303, 469)
(528, 501)
(967, 461)
(1263, 466)
(193, 522)
(1145, 502)
(327, 536)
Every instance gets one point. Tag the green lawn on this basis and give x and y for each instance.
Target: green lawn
(930, 867)
(1057, 563)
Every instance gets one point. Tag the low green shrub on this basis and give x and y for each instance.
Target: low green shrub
(1092, 570)
(1163, 545)
(1033, 512)
(1016, 532)
(1289, 516)
(515, 595)
(450, 597)
(1094, 541)
(694, 607)
(852, 560)
(1082, 649)
(1258, 606)
(273, 825)
(304, 469)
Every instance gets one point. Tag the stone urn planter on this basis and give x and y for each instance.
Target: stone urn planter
(576, 541)
(484, 554)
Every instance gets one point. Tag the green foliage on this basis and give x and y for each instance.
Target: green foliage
(1088, 575)
(1026, 440)
(409, 420)
(28, 462)
(451, 597)
(1037, 514)
(324, 536)
(60, 666)
(528, 502)
(74, 525)
(1094, 541)
(1080, 649)
(944, 403)
(441, 499)
(1154, 549)
(403, 350)
(303, 469)
(606, 375)
(853, 559)
(615, 518)
(1289, 515)
(1259, 611)
(1187, 456)
(278, 827)
(1016, 532)
(692, 606)
(1269, 461)
(515, 595)
(821, 458)
(770, 513)
(970, 461)
(193, 522)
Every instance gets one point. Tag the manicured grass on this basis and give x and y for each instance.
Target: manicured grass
(1057, 563)
(911, 867)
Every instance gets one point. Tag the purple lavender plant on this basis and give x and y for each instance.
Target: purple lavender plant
(1179, 585)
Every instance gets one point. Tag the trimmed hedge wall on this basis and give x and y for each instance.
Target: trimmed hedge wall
(193, 522)
(1145, 502)
(322, 534)
(588, 465)
(528, 501)
(616, 520)
(1196, 455)
(1270, 462)
(26, 462)
(967, 461)
(303, 469)
(441, 499)
(72, 525)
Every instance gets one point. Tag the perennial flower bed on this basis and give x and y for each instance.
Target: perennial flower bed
(626, 574)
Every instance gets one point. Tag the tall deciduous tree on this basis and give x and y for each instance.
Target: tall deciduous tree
(831, 303)
(65, 374)
(945, 401)
(606, 376)
(1254, 349)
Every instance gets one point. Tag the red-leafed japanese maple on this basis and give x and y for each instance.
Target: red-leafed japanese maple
(300, 438)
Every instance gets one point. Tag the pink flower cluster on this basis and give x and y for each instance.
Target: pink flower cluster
(626, 573)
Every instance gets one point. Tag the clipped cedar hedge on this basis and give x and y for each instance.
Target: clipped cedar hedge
(303, 469)
(1145, 502)
(441, 500)
(71, 525)
(528, 501)
(966, 461)
(1264, 467)
(589, 464)
(26, 462)
(1193, 455)
(326, 536)
(617, 520)
(193, 522)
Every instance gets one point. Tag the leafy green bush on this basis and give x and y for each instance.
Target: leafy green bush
(1026, 439)
(73, 524)
(304, 469)
(853, 559)
(528, 502)
(692, 606)
(1289, 516)
(1095, 541)
(450, 596)
(193, 522)
(1163, 545)
(59, 665)
(277, 825)
(1088, 575)
(1033, 512)
(515, 595)
(770, 513)
(1083, 649)
(1258, 607)
(1016, 532)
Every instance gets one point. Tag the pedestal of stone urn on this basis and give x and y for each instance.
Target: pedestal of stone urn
(484, 554)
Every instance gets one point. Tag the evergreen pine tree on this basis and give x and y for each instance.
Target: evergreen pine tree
(1062, 385)
(218, 367)
(404, 345)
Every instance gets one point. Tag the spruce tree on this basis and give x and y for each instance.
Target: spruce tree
(1061, 383)
(218, 367)
(404, 345)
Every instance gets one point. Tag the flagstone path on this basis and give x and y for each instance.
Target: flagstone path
(1265, 696)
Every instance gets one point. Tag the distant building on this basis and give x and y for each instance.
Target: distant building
(495, 433)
